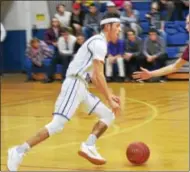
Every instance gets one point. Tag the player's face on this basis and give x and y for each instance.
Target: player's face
(187, 23)
(115, 30)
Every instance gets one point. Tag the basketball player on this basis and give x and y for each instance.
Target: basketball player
(88, 63)
(145, 74)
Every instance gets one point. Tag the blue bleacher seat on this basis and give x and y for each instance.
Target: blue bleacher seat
(177, 39)
(172, 52)
(145, 26)
(142, 16)
(141, 6)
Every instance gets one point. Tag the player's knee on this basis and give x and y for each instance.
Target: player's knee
(108, 118)
(55, 126)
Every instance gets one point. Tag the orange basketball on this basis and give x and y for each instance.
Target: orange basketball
(138, 153)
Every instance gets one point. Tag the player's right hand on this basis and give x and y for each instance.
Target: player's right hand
(114, 103)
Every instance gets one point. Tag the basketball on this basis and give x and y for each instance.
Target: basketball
(138, 153)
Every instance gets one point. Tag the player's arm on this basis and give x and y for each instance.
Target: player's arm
(169, 69)
(145, 74)
(98, 79)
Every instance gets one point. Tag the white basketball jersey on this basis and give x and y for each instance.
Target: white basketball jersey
(94, 48)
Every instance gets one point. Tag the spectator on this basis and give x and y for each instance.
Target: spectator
(85, 5)
(156, 20)
(37, 51)
(111, 7)
(119, 3)
(3, 33)
(91, 23)
(62, 15)
(130, 19)
(167, 5)
(132, 56)
(53, 33)
(65, 50)
(115, 55)
(77, 19)
(154, 50)
(181, 6)
(79, 42)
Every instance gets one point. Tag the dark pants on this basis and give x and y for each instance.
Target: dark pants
(156, 64)
(64, 60)
(131, 66)
(179, 10)
(31, 67)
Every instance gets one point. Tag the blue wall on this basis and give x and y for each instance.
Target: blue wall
(13, 50)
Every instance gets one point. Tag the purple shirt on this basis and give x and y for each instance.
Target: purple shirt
(185, 55)
(116, 49)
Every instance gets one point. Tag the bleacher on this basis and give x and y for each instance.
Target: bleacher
(177, 37)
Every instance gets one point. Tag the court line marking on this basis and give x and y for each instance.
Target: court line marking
(16, 127)
(117, 129)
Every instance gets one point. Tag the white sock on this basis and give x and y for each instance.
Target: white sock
(23, 148)
(91, 140)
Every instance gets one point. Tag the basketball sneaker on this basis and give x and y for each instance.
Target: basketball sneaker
(14, 159)
(90, 153)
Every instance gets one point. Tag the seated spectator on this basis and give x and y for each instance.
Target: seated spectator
(167, 5)
(156, 20)
(130, 19)
(85, 5)
(91, 23)
(62, 15)
(65, 51)
(154, 51)
(79, 42)
(77, 19)
(37, 51)
(181, 6)
(53, 33)
(111, 7)
(119, 3)
(115, 56)
(133, 53)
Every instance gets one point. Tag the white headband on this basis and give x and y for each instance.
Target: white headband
(110, 20)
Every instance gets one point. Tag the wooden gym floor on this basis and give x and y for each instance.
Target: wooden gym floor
(156, 114)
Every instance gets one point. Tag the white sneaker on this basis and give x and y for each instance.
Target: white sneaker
(90, 153)
(14, 159)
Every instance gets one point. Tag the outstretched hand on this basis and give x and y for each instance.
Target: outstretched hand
(144, 74)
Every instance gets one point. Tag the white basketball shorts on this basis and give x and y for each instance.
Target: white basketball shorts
(73, 93)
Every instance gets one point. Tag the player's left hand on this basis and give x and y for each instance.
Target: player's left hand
(142, 75)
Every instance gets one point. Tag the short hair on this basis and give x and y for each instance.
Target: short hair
(109, 15)
(34, 40)
(153, 30)
(92, 5)
(64, 30)
(131, 30)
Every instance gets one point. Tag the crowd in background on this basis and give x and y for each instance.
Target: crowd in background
(69, 30)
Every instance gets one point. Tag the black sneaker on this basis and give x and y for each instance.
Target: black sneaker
(45, 81)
